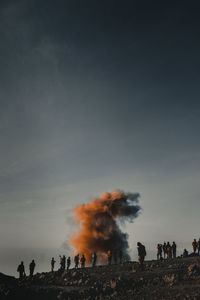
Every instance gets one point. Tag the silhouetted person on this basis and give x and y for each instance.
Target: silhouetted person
(109, 255)
(141, 253)
(68, 262)
(21, 270)
(83, 261)
(76, 261)
(159, 251)
(94, 259)
(169, 250)
(185, 253)
(32, 267)
(52, 264)
(174, 249)
(198, 246)
(165, 250)
(62, 262)
(120, 256)
(194, 245)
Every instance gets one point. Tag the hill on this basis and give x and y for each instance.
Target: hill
(168, 279)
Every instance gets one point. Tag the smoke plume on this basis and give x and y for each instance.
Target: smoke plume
(98, 230)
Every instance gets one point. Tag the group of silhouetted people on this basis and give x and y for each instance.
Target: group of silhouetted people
(79, 261)
(166, 250)
(196, 246)
(21, 269)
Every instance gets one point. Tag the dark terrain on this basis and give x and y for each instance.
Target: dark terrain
(169, 279)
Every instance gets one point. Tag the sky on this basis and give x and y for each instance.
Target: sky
(95, 96)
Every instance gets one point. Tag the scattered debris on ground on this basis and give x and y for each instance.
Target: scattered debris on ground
(168, 279)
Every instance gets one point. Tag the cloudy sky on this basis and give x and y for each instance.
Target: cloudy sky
(94, 96)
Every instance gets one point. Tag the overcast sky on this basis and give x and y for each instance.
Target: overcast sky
(94, 96)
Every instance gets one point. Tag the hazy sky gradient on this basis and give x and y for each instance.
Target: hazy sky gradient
(97, 95)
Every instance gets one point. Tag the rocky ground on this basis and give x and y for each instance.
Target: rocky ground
(169, 279)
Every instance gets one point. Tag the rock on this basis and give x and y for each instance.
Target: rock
(114, 295)
(60, 295)
(141, 278)
(113, 284)
(74, 274)
(193, 269)
(170, 279)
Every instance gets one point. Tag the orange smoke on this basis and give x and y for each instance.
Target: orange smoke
(98, 230)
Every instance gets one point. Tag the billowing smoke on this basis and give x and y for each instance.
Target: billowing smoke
(97, 221)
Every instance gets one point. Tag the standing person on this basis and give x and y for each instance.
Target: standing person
(76, 261)
(169, 250)
(94, 259)
(194, 245)
(165, 250)
(159, 251)
(21, 270)
(141, 253)
(198, 246)
(64, 262)
(61, 262)
(109, 255)
(174, 249)
(32, 267)
(52, 264)
(68, 263)
(83, 261)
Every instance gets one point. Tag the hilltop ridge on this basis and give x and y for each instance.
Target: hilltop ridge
(168, 279)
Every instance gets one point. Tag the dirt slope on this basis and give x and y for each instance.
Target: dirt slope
(169, 279)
